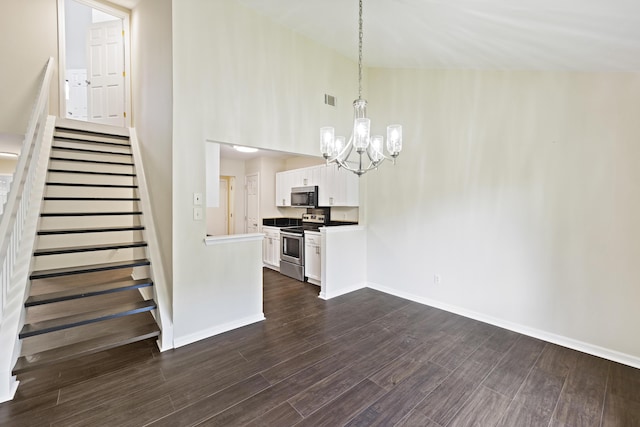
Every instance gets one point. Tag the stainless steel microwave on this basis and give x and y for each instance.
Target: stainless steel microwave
(304, 197)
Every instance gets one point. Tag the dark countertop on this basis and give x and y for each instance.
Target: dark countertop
(336, 223)
(281, 222)
(296, 222)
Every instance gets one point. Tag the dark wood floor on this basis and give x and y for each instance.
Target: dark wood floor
(362, 359)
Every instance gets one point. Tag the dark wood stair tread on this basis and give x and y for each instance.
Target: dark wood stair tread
(60, 214)
(68, 271)
(91, 141)
(90, 132)
(89, 230)
(79, 184)
(101, 162)
(87, 150)
(90, 172)
(66, 322)
(84, 348)
(88, 248)
(88, 291)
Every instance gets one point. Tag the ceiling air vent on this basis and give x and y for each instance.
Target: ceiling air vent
(330, 100)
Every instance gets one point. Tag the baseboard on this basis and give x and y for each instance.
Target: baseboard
(328, 295)
(216, 330)
(595, 350)
(11, 392)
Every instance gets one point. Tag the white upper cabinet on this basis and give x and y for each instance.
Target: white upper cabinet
(336, 187)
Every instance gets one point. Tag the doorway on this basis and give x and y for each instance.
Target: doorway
(221, 219)
(94, 66)
(252, 193)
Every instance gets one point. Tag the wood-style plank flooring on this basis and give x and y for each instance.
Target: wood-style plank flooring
(363, 359)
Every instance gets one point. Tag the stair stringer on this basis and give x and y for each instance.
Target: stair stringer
(161, 289)
(13, 317)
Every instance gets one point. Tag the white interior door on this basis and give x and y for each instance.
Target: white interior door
(105, 73)
(253, 203)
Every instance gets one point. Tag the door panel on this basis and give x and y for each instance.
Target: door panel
(105, 55)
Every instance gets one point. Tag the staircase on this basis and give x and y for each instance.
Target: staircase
(90, 268)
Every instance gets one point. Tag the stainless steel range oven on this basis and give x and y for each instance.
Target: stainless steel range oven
(292, 245)
(292, 253)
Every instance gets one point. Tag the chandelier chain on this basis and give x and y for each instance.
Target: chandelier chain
(360, 34)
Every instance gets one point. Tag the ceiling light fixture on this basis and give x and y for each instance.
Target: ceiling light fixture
(8, 155)
(334, 149)
(245, 149)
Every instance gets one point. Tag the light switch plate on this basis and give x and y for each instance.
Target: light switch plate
(197, 199)
(197, 214)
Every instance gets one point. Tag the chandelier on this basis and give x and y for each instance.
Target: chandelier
(334, 149)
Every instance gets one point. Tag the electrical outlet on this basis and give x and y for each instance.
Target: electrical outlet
(436, 279)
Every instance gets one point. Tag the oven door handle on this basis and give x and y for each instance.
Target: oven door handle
(284, 243)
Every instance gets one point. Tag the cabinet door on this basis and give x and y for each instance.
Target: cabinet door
(312, 257)
(283, 188)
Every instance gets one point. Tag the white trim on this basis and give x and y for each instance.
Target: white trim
(164, 298)
(327, 296)
(216, 330)
(342, 229)
(11, 391)
(62, 54)
(561, 340)
(233, 238)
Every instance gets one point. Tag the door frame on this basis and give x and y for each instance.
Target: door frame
(62, 54)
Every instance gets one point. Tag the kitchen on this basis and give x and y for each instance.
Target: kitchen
(307, 211)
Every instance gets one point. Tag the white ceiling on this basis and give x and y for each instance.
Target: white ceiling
(590, 35)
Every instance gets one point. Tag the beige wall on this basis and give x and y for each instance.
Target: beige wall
(152, 110)
(29, 38)
(8, 166)
(519, 190)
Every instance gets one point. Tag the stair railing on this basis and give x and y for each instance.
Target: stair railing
(18, 208)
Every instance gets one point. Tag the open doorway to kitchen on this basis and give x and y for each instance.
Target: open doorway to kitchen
(94, 62)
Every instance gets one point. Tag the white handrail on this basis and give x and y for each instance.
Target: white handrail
(160, 285)
(12, 228)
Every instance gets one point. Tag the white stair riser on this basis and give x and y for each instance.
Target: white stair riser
(49, 223)
(89, 179)
(102, 157)
(87, 258)
(64, 191)
(65, 134)
(92, 167)
(89, 206)
(89, 146)
(87, 239)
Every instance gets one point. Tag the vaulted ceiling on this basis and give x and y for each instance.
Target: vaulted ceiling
(590, 35)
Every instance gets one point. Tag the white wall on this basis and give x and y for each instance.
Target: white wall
(77, 22)
(238, 79)
(152, 110)
(519, 189)
(29, 38)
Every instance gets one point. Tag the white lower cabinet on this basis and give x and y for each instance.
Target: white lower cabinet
(312, 257)
(271, 247)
